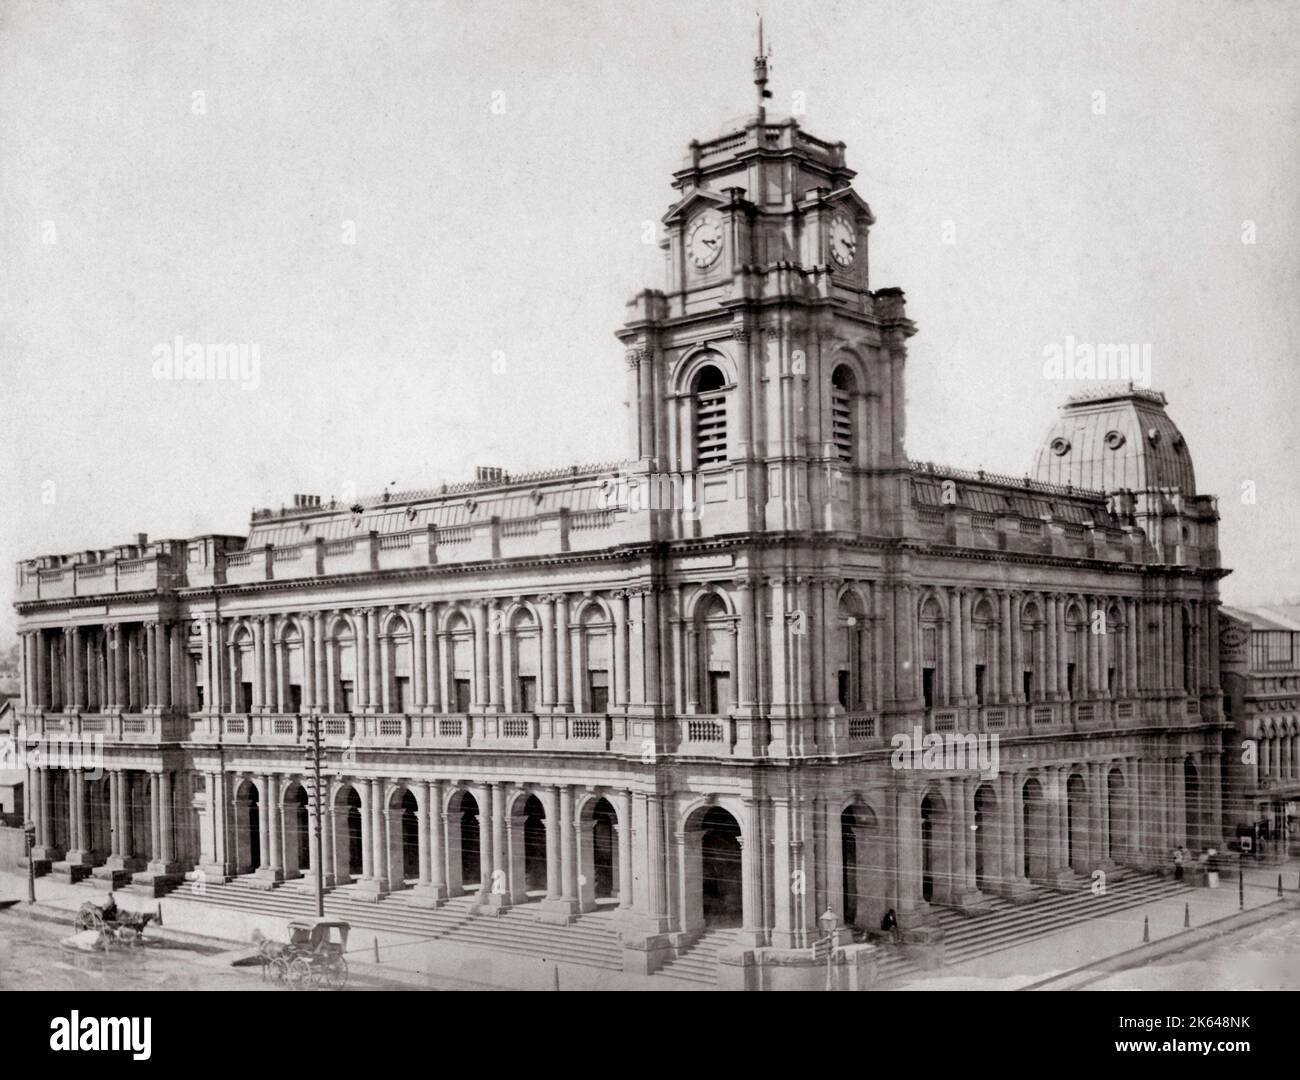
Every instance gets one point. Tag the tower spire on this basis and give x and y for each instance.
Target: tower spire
(760, 74)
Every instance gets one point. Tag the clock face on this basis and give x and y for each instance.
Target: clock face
(844, 240)
(704, 241)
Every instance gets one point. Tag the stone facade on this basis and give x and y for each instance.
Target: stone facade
(673, 685)
(1260, 661)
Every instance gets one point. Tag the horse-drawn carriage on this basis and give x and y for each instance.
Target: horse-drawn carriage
(312, 957)
(116, 926)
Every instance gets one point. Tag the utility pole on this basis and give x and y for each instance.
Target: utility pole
(315, 751)
(29, 839)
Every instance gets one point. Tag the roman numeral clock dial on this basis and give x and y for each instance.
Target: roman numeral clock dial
(844, 240)
(704, 241)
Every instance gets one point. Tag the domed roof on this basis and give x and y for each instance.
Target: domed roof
(1116, 439)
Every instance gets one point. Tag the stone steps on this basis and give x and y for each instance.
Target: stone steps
(1005, 925)
(590, 941)
(698, 963)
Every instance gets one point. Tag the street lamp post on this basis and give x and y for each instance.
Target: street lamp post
(314, 753)
(29, 840)
(829, 922)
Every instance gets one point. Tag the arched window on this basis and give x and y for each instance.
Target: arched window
(850, 691)
(525, 645)
(460, 662)
(984, 628)
(842, 387)
(932, 635)
(714, 630)
(596, 658)
(710, 416)
(291, 642)
(396, 651)
(1033, 643)
(341, 661)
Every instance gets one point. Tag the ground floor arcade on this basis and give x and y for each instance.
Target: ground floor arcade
(676, 849)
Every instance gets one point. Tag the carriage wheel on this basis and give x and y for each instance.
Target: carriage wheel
(280, 969)
(336, 973)
(299, 974)
(88, 918)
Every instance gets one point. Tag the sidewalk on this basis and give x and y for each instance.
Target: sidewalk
(405, 959)
(1108, 936)
(417, 962)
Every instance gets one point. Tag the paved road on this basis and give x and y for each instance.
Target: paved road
(32, 957)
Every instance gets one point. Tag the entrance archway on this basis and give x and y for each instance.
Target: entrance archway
(248, 828)
(1192, 804)
(406, 809)
(721, 874)
(1077, 824)
(297, 829)
(935, 853)
(463, 866)
(534, 824)
(1117, 833)
(711, 870)
(604, 854)
(865, 876)
(349, 862)
(988, 838)
(1034, 822)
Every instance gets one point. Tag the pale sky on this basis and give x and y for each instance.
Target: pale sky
(199, 165)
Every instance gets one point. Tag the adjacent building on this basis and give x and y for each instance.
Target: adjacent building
(1260, 661)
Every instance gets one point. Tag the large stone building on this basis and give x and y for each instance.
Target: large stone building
(672, 685)
(1260, 661)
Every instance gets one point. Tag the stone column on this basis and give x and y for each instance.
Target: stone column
(483, 797)
(623, 809)
(479, 614)
(166, 824)
(379, 838)
(563, 662)
(437, 849)
(747, 688)
(751, 855)
(907, 849)
(967, 649)
(155, 817)
(419, 649)
(500, 855)
(949, 651)
(554, 875)
(959, 826)
(650, 643)
(425, 835)
(655, 885)
(546, 606)
(115, 815)
(264, 806)
(385, 672)
(373, 696)
(320, 669)
(568, 847)
(275, 813)
(271, 651)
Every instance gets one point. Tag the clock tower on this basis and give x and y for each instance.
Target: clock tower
(767, 376)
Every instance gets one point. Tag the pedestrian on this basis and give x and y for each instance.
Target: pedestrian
(1178, 864)
(889, 924)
